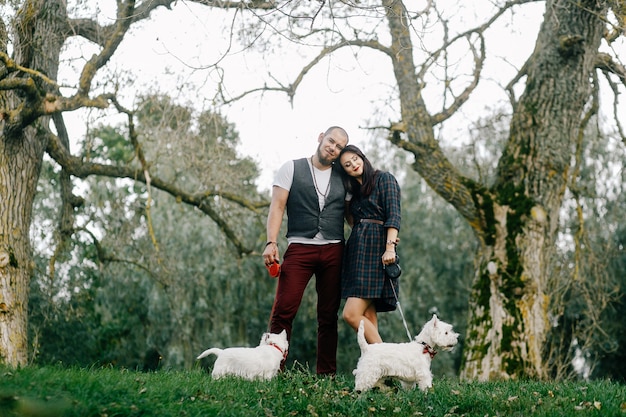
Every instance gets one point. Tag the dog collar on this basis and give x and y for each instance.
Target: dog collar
(284, 352)
(429, 350)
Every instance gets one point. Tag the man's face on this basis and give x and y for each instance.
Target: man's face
(330, 145)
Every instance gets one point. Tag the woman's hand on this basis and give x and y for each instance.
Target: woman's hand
(389, 256)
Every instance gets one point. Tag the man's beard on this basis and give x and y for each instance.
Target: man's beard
(324, 161)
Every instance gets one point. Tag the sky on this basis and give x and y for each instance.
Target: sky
(272, 129)
(177, 46)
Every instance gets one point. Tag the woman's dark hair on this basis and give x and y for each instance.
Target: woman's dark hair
(369, 174)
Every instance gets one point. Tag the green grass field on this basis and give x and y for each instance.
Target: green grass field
(57, 391)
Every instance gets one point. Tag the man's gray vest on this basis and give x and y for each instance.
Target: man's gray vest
(303, 210)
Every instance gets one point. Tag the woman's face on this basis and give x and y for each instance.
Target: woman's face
(352, 164)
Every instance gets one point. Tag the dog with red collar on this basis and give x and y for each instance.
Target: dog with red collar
(252, 363)
(408, 362)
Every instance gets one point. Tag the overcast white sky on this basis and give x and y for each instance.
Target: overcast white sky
(271, 129)
(339, 92)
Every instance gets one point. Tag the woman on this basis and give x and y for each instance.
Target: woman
(374, 213)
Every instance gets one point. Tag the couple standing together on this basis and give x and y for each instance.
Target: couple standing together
(318, 192)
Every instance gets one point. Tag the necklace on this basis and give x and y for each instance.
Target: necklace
(323, 194)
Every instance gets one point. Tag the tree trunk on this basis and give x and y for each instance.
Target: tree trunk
(516, 219)
(20, 161)
(37, 43)
(508, 318)
(508, 305)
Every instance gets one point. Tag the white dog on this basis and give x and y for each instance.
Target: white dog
(261, 362)
(409, 362)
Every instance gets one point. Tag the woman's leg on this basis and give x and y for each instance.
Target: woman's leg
(357, 309)
(370, 314)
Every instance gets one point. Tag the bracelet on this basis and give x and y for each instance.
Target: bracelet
(269, 243)
(391, 242)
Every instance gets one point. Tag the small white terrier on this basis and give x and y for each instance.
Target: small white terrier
(409, 362)
(261, 362)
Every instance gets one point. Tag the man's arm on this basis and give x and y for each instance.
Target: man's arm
(274, 220)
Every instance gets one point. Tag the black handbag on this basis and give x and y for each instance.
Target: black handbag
(393, 270)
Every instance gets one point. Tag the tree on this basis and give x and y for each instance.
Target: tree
(437, 69)
(31, 103)
(514, 212)
(168, 288)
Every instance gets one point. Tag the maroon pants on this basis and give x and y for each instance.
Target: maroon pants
(300, 263)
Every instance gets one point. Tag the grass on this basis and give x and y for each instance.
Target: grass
(57, 391)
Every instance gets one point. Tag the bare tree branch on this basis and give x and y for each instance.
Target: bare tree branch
(479, 57)
(479, 60)
(608, 66)
(290, 89)
(125, 11)
(619, 11)
(509, 87)
(106, 257)
(618, 123)
(77, 167)
(606, 63)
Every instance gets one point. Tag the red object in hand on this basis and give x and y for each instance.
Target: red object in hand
(273, 269)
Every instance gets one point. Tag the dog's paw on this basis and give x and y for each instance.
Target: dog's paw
(426, 388)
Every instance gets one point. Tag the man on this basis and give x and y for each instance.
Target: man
(313, 194)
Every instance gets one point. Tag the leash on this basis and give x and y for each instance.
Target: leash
(269, 320)
(427, 349)
(400, 310)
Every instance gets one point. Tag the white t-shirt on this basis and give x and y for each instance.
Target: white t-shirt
(284, 179)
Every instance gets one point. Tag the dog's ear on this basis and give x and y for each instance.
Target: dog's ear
(284, 332)
(435, 320)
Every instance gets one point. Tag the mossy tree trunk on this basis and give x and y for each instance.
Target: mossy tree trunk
(37, 45)
(508, 316)
(516, 218)
(19, 170)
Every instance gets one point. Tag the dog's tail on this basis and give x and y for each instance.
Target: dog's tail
(361, 337)
(212, 351)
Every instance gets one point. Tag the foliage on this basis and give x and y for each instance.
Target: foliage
(588, 282)
(53, 391)
(130, 297)
(612, 358)
(134, 282)
(63, 318)
(127, 296)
